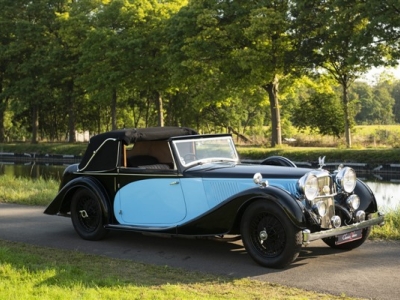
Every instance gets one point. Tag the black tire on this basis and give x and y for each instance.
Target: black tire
(350, 245)
(283, 242)
(87, 215)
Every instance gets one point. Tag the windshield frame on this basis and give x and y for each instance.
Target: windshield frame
(192, 146)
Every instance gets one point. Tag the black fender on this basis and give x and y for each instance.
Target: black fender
(278, 161)
(285, 201)
(226, 217)
(368, 201)
(61, 204)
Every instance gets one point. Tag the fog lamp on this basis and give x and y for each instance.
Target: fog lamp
(320, 208)
(360, 216)
(336, 221)
(353, 202)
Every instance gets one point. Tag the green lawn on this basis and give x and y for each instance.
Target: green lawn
(29, 273)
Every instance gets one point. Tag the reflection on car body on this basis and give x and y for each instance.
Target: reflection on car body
(174, 181)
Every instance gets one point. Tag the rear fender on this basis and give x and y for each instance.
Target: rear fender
(62, 202)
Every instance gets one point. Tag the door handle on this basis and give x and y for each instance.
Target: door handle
(174, 183)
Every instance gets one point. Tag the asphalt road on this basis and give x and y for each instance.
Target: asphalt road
(372, 271)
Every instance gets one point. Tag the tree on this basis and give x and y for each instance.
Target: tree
(384, 23)
(396, 96)
(318, 107)
(336, 33)
(225, 48)
(365, 101)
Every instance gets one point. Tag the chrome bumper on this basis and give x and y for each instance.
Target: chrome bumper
(309, 237)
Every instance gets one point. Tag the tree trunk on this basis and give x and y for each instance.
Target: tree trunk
(3, 108)
(35, 124)
(346, 114)
(272, 90)
(160, 109)
(114, 109)
(71, 112)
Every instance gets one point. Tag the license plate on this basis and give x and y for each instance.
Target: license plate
(348, 237)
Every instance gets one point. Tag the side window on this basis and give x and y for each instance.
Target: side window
(149, 155)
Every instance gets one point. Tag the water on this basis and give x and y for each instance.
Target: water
(34, 171)
(387, 191)
(387, 194)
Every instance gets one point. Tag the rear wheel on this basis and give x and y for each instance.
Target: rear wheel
(350, 245)
(269, 236)
(87, 215)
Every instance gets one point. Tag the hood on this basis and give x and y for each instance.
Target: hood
(231, 170)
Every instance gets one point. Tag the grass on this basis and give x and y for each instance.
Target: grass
(26, 191)
(31, 272)
(391, 229)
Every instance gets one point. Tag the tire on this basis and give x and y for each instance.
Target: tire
(350, 245)
(87, 215)
(282, 242)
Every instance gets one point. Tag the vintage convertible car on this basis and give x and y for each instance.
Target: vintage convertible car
(173, 181)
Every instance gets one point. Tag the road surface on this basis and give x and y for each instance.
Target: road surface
(371, 271)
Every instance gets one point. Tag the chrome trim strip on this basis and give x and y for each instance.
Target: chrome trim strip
(309, 237)
(138, 228)
(95, 151)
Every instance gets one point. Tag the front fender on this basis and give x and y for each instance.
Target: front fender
(226, 217)
(61, 204)
(286, 202)
(367, 198)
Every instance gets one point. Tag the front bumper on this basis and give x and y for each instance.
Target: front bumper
(309, 237)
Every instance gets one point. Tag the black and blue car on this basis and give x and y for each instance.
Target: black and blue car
(174, 181)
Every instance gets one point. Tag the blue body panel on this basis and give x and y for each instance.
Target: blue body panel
(169, 202)
(152, 201)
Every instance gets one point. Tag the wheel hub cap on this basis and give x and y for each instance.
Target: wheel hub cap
(84, 214)
(263, 235)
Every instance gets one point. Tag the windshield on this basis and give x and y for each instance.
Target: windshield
(215, 149)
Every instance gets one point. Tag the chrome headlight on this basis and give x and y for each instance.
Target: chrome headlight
(353, 202)
(346, 179)
(308, 184)
(320, 208)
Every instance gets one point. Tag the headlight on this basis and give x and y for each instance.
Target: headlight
(353, 202)
(320, 208)
(346, 178)
(308, 184)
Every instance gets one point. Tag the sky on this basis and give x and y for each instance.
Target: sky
(374, 73)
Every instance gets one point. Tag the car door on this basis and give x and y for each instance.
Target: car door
(150, 201)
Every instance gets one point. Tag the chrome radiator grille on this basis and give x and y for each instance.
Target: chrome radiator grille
(325, 186)
(326, 193)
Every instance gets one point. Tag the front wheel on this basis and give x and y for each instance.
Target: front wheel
(331, 241)
(269, 236)
(87, 215)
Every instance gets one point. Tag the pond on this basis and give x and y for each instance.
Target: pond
(386, 190)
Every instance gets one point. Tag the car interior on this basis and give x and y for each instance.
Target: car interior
(149, 155)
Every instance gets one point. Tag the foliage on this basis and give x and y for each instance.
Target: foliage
(391, 228)
(318, 108)
(28, 192)
(340, 43)
(96, 65)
